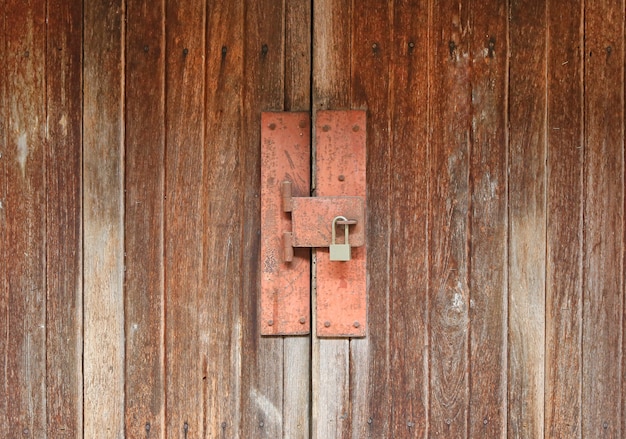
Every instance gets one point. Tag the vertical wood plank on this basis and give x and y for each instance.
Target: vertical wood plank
(24, 325)
(64, 312)
(450, 150)
(488, 224)
(298, 62)
(143, 217)
(184, 159)
(4, 287)
(263, 89)
(372, 37)
(332, 49)
(221, 335)
(409, 195)
(103, 219)
(297, 392)
(527, 219)
(297, 350)
(603, 266)
(563, 375)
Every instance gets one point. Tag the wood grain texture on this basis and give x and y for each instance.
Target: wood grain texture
(563, 374)
(332, 35)
(297, 388)
(103, 219)
(64, 311)
(222, 319)
(449, 228)
(297, 350)
(527, 156)
(372, 37)
(488, 224)
(4, 287)
(184, 171)
(24, 324)
(603, 296)
(263, 89)
(298, 61)
(332, 44)
(144, 219)
(409, 186)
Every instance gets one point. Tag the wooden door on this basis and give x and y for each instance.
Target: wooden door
(130, 218)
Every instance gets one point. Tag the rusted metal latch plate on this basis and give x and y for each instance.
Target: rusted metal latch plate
(285, 286)
(312, 220)
(292, 222)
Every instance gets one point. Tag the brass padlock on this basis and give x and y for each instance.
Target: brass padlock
(340, 252)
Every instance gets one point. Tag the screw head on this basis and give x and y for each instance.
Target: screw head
(270, 322)
(356, 324)
(327, 324)
(341, 177)
(302, 320)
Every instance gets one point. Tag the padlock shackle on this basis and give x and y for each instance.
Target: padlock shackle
(333, 231)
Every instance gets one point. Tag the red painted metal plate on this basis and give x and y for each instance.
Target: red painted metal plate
(285, 286)
(313, 217)
(341, 298)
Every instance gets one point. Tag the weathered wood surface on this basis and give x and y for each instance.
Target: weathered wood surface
(185, 302)
(103, 219)
(372, 50)
(64, 311)
(564, 210)
(449, 193)
(222, 199)
(603, 220)
(408, 301)
(23, 361)
(527, 222)
(144, 180)
(4, 287)
(496, 257)
(488, 221)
